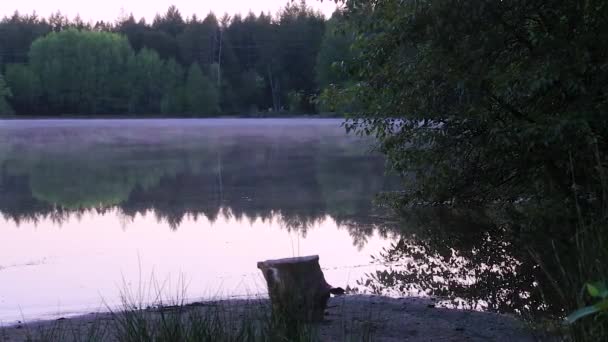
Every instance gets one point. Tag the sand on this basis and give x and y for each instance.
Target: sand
(388, 319)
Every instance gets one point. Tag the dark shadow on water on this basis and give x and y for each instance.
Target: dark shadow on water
(463, 259)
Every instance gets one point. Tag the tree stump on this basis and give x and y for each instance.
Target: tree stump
(297, 288)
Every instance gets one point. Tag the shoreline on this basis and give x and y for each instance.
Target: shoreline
(269, 115)
(384, 318)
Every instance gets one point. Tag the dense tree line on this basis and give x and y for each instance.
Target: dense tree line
(5, 93)
(174, 65)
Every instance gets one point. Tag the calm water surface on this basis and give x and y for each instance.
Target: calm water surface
(91, 209)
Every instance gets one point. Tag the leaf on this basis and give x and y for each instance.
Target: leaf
(580, 313)
(602, 306)
(586, 311)
(593, 290)
(597, 290)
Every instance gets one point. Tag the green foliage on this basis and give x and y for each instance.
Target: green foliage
(172, 101)
(482, 101)
(250, 89)
(596, 291)
(17, 32)
(199, 41)
(5, 93)
(332, 69)
(26, 87)
(295, 101)
(300, 35)
(171, 22)
(255, 61)
(81, 71)
(335, 53)
(146, 82)
(339, 98)
(200, 93)
(495, 103)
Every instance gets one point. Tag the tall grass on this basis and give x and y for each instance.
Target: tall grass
(591, 243)
(241, 320)
(176, 321)
(66, 330)
(583, 258)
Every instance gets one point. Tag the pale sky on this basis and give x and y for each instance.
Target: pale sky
(110, 10)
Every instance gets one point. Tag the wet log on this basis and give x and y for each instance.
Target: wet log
(297, 287)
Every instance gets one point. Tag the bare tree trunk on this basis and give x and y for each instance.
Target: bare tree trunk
(219, 61)
(276, 106)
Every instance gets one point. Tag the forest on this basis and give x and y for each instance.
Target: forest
(174, 66)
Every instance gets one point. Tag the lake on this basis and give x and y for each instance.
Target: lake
(95, 210)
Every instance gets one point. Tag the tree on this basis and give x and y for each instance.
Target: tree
(134, 30)
(299, 40)
(82, 71)
(5, 93)
(499, 103)
(58, 22)
(334, 53)
(171, 23)
(172, 101)
(250, 45)
(331, 70)
(254, 61)
(26, 88)
(201, 95)
(250, 90)
(475, 99)
(199, 41)
(17, 33)
(146, 82)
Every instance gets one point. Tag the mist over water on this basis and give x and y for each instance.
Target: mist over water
(92, 208)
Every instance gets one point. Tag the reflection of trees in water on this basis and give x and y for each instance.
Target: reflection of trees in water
(458, 255)
(462, 258)
(453, 254)
(300, 180)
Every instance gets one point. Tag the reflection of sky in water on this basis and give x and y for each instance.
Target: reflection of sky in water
(86, 259)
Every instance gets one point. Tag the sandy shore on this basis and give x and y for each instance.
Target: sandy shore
(388, 319)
